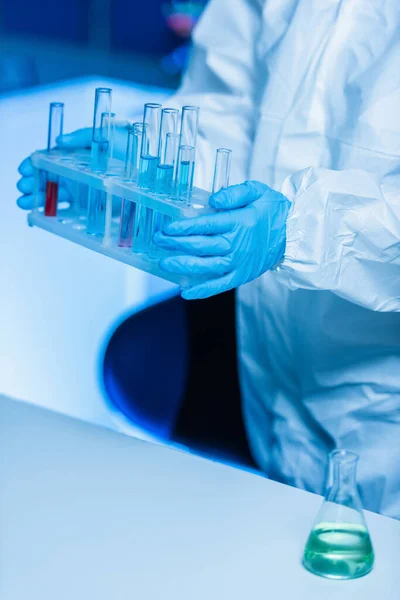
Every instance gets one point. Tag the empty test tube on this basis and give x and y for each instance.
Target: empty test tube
(189, 125)
(128, 208)
(222, 169)
(101, 144)
(101, 130)
(149, 159)
(56, 119)
(188, 139)
(184, 177)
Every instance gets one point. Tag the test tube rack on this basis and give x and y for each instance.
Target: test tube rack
(73, 167)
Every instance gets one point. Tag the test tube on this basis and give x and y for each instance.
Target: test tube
(188, 139)
(189, 125)
(184, 178)
(101, 129)
(165, 184)
(149, 159)
(56, 120)
(108, 128)
(167, 149)
(128, 208)
(150, 146)
(222, 169)
(108, 125)
(166, 170)
(101, 143)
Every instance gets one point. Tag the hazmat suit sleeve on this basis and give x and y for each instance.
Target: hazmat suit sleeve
(221, 81)
(343, 235)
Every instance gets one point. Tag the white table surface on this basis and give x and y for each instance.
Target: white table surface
(90, 514)
(59, 303)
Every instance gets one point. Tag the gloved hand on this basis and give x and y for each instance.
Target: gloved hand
(82, 138)
(232, 247)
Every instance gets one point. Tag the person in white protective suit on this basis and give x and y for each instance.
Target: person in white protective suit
(307, 95)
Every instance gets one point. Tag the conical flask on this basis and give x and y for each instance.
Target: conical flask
(339, 545)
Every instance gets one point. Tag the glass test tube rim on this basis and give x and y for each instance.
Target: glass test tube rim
(186, 148)
(169, 124)
(152, 105)
(170, 110)
(344, 456)
(221, 169)
(52, 106)
(98, 114)
(224, 151)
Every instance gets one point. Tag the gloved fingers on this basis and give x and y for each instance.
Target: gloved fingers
(26, 185)
(218, 223)
(198, 245)
(238, 196)
(26, 168)
(210, 288)
(194, 266)
(30, 201)
(81, 138)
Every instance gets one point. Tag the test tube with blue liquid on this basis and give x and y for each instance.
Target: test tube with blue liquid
(149, 159)
(56, 120)
(99, 160)
(128, 208)
(186, 157)
(168, 148)
(184, 178)
(166, 170)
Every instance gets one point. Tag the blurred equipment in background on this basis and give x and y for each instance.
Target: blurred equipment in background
(147, 42)
(181, 17)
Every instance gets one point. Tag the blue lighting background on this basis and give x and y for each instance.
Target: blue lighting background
(50, 40)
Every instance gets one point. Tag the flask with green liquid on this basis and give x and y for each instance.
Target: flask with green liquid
(339, 545)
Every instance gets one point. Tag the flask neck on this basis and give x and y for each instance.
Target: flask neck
(343, 477)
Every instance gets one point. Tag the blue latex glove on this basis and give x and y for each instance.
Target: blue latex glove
(82, 138)
(236, 245)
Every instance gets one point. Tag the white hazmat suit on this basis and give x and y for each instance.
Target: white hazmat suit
(307, 95)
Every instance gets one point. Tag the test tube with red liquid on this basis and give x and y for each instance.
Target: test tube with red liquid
(56, 118)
